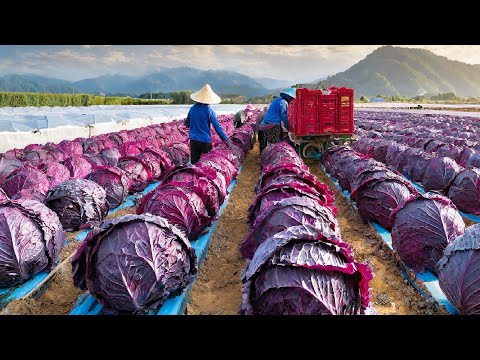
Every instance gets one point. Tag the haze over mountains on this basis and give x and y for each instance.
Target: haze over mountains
(387, 70)
(165, 80)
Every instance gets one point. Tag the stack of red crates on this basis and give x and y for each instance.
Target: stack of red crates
(314, 113)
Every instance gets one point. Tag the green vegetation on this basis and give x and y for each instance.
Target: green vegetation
(20, 99)
(444, 98)
(233, 99)
(397, 71)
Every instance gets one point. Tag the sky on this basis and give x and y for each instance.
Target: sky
(297, 63)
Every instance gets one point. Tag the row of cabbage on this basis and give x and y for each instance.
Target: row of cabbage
(428, 232)
(442, 152)
(132, 264)
(55, 187)
(297, 261)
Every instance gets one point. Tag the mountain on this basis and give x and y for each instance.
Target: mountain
(34, 83)
(274, 83)
(393, 70)
(164, 80)
(107, 84)
(174, 79)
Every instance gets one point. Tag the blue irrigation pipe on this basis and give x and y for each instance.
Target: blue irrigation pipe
(17, 292)
(88, 305)
(428, 278)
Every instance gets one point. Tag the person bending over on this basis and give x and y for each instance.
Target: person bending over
(242, 116)
(270, 129)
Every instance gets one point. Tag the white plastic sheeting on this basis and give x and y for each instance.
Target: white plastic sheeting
(20, 127)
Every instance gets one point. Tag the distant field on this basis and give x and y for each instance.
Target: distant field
(396, 105)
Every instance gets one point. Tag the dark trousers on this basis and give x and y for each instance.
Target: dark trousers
(270, 136)
(197, 148)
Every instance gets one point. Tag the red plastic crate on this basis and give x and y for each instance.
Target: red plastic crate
(314, 113)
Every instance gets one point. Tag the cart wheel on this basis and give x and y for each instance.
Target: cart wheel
(311, 150)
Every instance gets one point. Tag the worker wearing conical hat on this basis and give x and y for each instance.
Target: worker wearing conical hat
(199, 119)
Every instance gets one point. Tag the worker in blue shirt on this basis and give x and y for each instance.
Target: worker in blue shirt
(270, 129)
(199, 118)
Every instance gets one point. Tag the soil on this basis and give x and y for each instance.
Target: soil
(391, 293)
(468, 222)
(125, 211)
(218, 286)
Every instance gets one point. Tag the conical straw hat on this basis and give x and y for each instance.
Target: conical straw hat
(206, 96)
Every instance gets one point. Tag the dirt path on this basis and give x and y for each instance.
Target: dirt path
(391, 292)
(218, 287)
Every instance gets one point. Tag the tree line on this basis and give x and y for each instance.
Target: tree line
(22, 99)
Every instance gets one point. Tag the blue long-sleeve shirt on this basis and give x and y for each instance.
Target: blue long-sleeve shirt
(198, 120)
(277, 113)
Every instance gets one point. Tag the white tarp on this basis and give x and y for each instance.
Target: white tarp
(20, 127)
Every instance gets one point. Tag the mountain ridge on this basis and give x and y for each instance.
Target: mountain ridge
(395, 71)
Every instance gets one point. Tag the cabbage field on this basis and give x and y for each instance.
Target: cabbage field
(113, 220)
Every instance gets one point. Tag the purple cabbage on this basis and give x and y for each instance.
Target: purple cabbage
(177, 155)
(299, 272)
(474, 160)
(270, 173)
(79, 166)
(416, 165)
(278, 191)
(78, 203)
(70, 148)
(134, 263)
(24, 179)
(465, 191)
(94, 160)
(137, 171)
(293, 211)
(36, 158)
(158, 161)
(281, 152)
(110, 156)
(217, 178)
(363, 177)
(114, 181)
(3, 196)
(197, 181)
(225, 159)
(180, 206)
(31, 238)
(56, 173)
(7, 167)
(423, 229)
(459, 272)
(440, 173)
(131, 148)
(462, 159)
(381, 200)
(29, 194)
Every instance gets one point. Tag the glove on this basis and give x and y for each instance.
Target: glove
(228, 143)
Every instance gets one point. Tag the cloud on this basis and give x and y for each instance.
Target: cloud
(95, 46)
(116, 56)
(299, 63)
(65, 55)
(233, 49)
